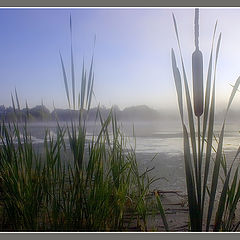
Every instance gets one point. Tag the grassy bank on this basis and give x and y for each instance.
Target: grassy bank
(73, 184)
(91, 189)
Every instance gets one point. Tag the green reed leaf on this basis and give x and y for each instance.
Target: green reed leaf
(207, 91)
(189, 105)
(72, 66)
(65, 80)
(162, 212)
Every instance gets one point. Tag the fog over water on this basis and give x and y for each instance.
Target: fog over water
(158, 144)
(132, 68)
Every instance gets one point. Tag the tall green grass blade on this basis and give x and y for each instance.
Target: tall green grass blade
(13, 104)
(208, 90)
(72, 66)
(178, 83)
(222, 203)
(205, 118)
(83, 84)
(79, 101)
(211, 121)
(209, 146)
(90, 79)
(191, 189)
(65, 80)
(28, 113)
(234, 90)
(189, 106)
(218, 154)
(162, 212)
(104, 126)
(17, 100)
(91, 93)
(193, 211)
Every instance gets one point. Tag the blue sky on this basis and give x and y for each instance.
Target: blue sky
(132, 54)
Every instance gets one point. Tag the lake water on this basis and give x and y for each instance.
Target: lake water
(158, 145)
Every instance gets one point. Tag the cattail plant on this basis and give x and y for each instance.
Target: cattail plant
(194, 155)
(197, 71)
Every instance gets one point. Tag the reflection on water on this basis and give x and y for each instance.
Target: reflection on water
(151, 138)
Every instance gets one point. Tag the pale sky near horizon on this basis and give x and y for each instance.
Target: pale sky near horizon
(132, 53)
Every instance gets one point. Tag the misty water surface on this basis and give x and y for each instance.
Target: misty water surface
(157, 144)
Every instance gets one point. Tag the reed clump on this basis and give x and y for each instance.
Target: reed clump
(56, 191)
(73, 184)
(199, 168)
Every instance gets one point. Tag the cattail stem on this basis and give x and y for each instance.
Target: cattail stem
(196, 28)
(199, 171)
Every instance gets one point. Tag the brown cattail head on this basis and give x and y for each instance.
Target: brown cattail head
(197, 71)
(197, 74)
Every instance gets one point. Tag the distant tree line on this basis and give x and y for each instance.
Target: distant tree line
(42, 113)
